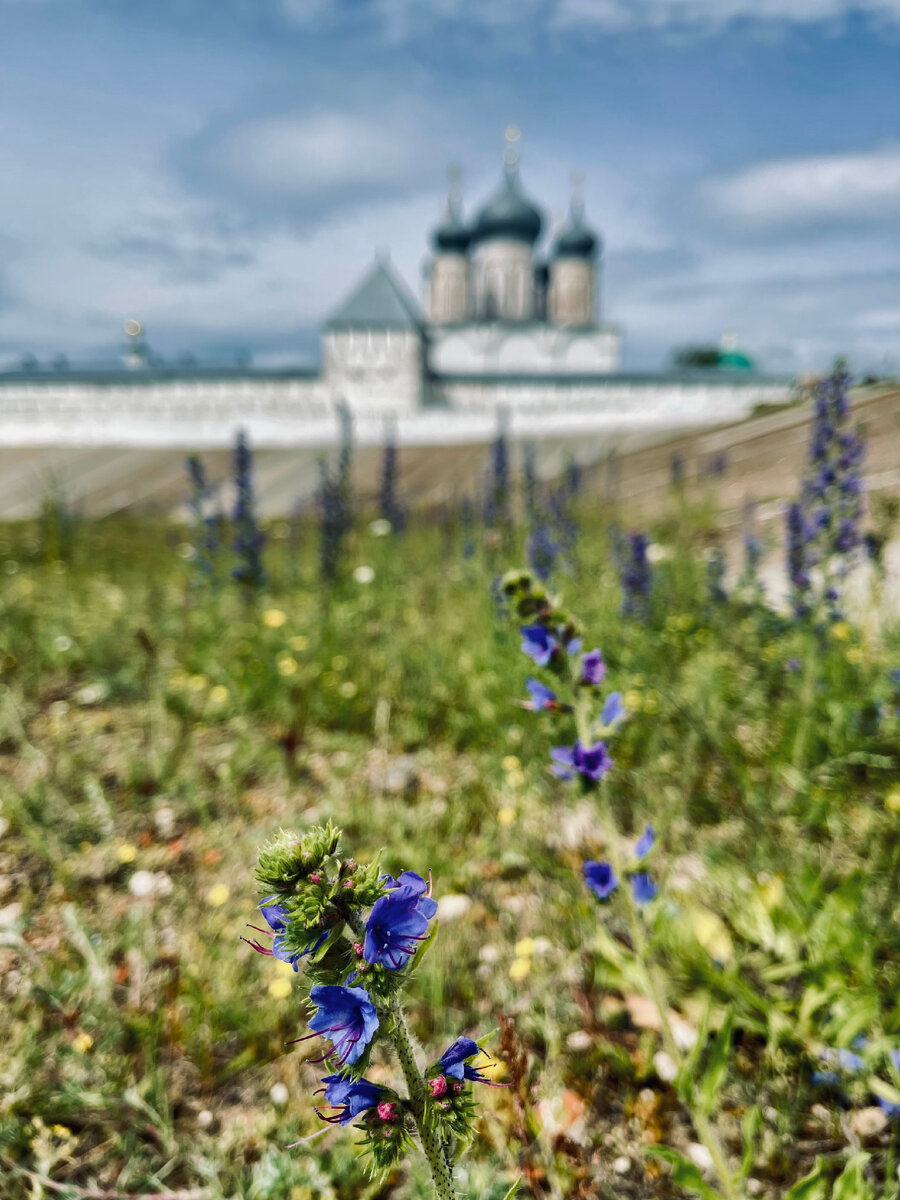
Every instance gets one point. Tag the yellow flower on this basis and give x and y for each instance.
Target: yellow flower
(511, 763)
(339, 662)
(348, 689)
(853, 655)
(218, 894)
(300, 642)
(892, 801)
(197, 683)
(63, 1131)
(127, 853)
(840, 631)
(280, 989)
(506, 816)
(515, 779)
(525, 948)
(82, 1042)
(287, 665)
(219, 694)
(519, 968)
(274, 618)
(633, 700)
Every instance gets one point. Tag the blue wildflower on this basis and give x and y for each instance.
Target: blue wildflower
(593, 668)
(346, 1017)
(643, 888)
(538, 643)
(613, 710)
(645, 842)
(398, 921)
(600, 878)
(591, 762)
(349, 1097)
(541, 696)
(276, 916)
(454, 1062)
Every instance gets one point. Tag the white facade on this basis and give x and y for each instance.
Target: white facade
(503, 279)
(375, 369)
(448, 289)
(571, 298)
(540, 349)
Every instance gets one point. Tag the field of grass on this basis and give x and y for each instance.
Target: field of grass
(156, 728)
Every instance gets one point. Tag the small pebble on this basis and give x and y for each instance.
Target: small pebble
(622, 1165)
(664, 1066)
(279, 1094)
(700, 1157)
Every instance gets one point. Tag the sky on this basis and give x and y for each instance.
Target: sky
(225, 172)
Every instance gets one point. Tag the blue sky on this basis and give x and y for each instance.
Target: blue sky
(227, 171)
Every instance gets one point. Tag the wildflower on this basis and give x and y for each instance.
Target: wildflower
(218, 694)
(541, 696)
(636, 575)
(82, 1042)
(127, 853)
(519, 968)
(398, 921)
(643, 888)
(645, 842)
(600, 878)
(591, 762)
(276, 917)
(274, 618)
(593, 668)
(346, 1017)
(350, 1097)
(506, 816)
(364, 574)
(249, 539)
(538, 643)
(613, 710)
(454, 1062)
(217, 895)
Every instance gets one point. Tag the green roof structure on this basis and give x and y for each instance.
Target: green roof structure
(379, 302)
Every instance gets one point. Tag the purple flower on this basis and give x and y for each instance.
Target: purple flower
(455, 1061)
(613, 710)
(591, 762)
(346, 1017)
(643, 888)
(538, 643)
(349, 1097)
(277, 918)
(593, 668)
(398, 921)
(645, 842)
(541, 695)
(600, 878)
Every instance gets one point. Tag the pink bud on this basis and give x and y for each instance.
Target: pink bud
(347, 883)
(349, 866)
(438, 1086)
(315, 877)
(387, 1110)
(358, 949)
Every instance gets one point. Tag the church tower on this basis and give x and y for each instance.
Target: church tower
(571, 299)
(503, 240)
(448, 292)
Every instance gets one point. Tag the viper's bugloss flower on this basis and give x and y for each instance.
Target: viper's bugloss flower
(276, 916)
(349, 1097)
(600, 878)
(454, 1062)
(645, 842)
(538, 643)
(613, 710)
(541, 696)
(398, 921)
(346, 1017)
(593, 668)
(643, 888)
(591, 762)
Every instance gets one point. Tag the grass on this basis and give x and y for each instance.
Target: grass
(153, 731)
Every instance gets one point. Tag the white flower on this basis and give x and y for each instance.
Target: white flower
(364, 574)
(187, 551)
(380, 527)
(453, 906)
(62, 643)
(280, 1095)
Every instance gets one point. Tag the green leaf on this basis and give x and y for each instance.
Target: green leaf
(684, 1173)
(852, 1184)
(513, 1190)
(811, 1186)
(717, 1064)
(750, 1126)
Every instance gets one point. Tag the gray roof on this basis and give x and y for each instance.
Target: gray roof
(380, 302)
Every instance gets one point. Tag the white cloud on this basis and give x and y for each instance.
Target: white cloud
(705, 16)
(818, 187)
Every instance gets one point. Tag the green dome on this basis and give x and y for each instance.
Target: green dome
(736, 360)
(452, 235)
(576, 240)
(508, 214)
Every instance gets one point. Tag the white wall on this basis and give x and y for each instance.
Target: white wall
(375, 369)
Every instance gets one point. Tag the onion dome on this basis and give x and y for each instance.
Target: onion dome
(509, 214)
(452, 236)
(576, 240)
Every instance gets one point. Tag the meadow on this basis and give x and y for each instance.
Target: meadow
(158, 722)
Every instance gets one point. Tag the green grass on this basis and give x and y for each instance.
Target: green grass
(153, 733)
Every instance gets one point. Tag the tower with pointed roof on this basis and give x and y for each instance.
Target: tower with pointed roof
(374, 355)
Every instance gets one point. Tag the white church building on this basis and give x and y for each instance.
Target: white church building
(510, 327)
